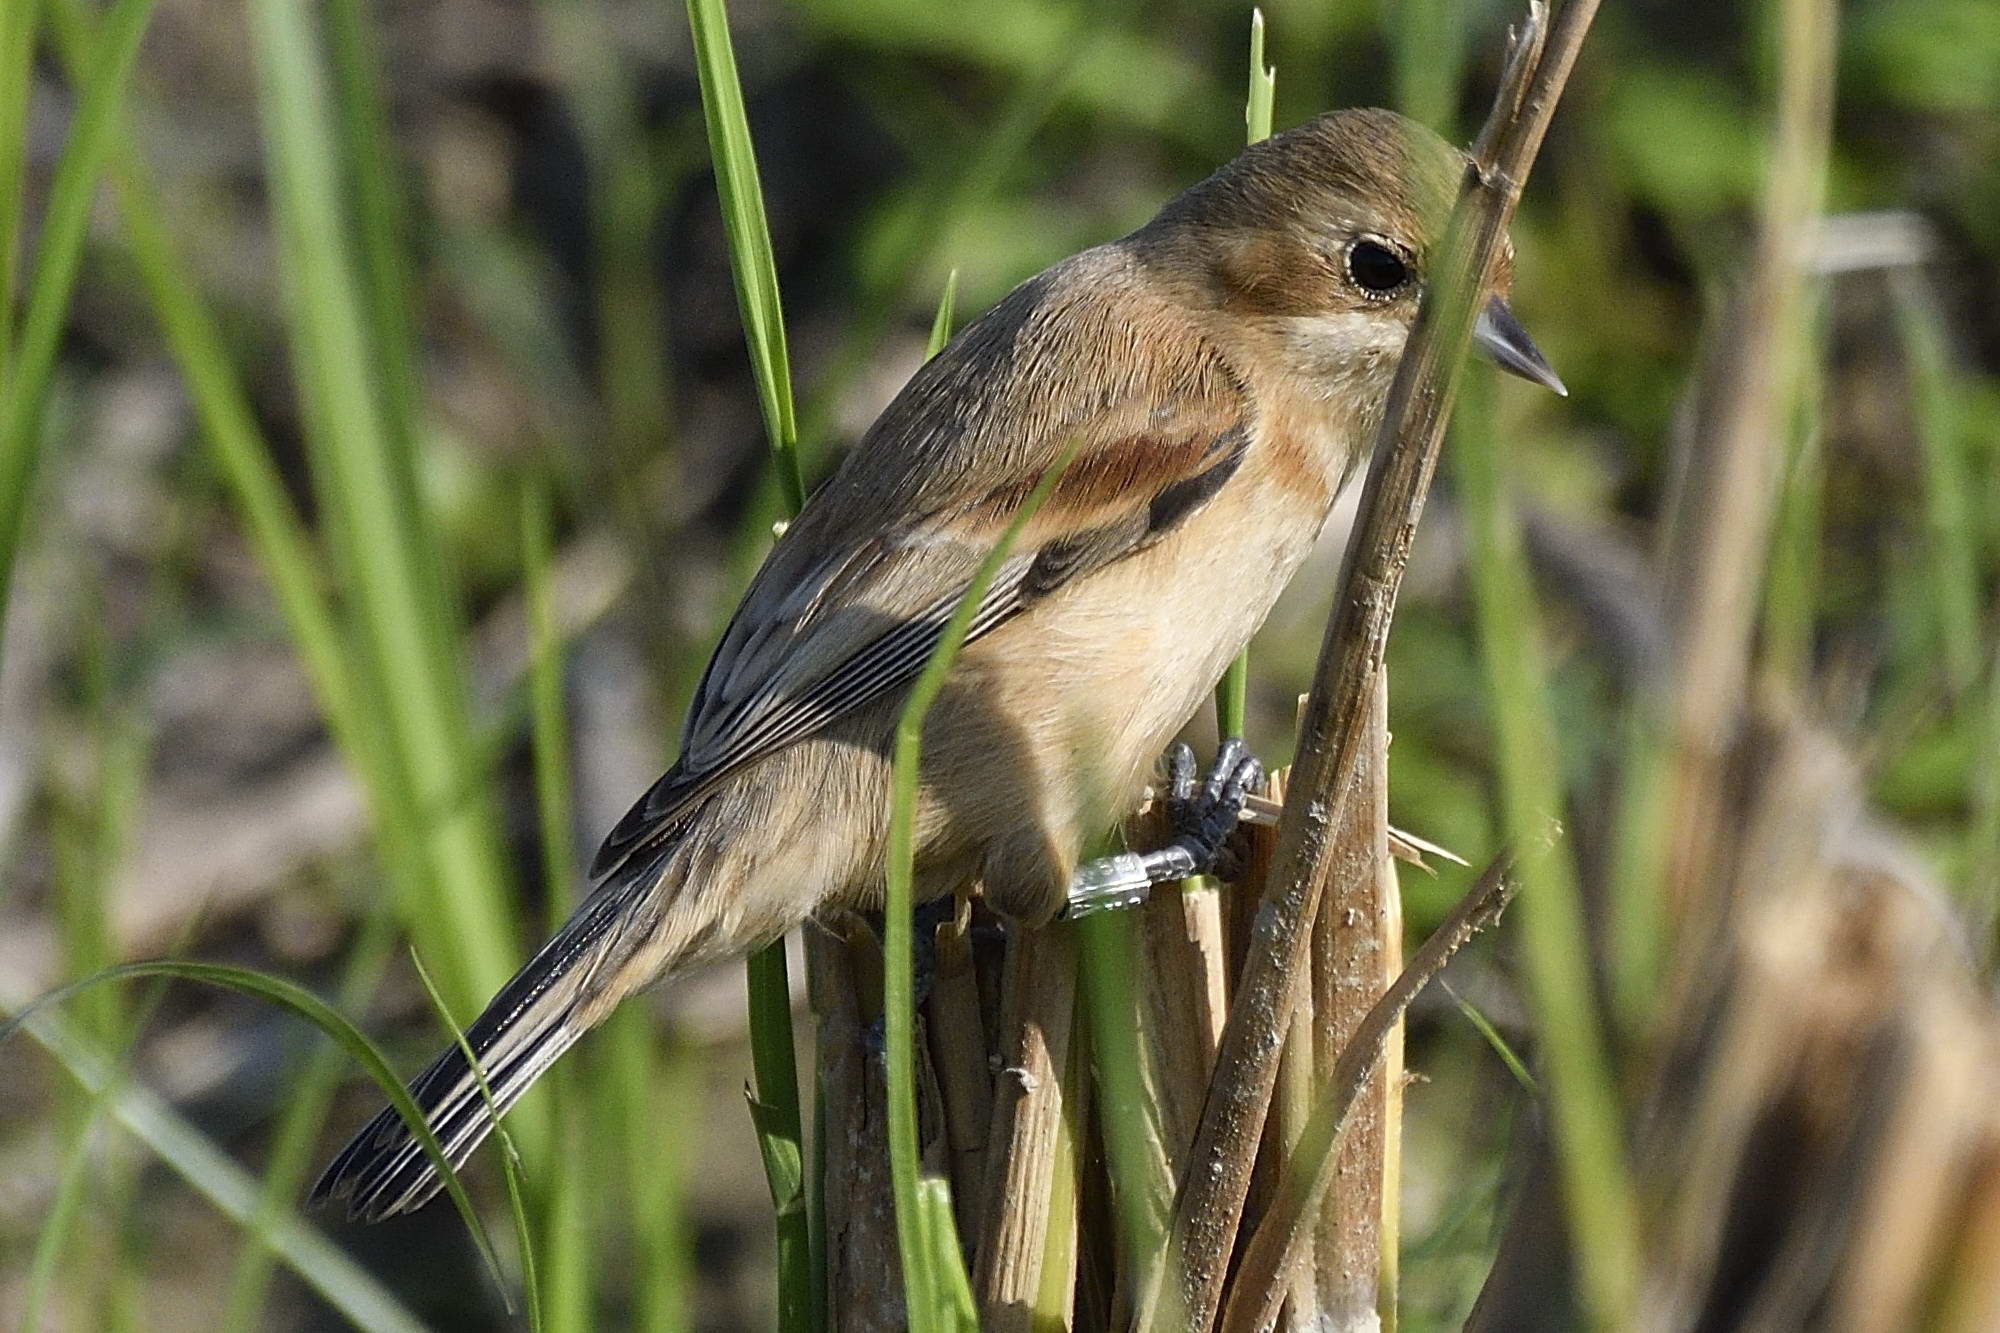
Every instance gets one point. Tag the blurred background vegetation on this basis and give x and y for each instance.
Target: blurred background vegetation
(393, 459)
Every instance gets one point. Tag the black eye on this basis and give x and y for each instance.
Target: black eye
(1375, 267)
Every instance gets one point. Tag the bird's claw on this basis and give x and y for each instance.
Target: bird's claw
(1203, 816)
(1204, 821)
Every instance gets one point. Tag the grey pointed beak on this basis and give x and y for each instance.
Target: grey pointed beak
(1502, 338)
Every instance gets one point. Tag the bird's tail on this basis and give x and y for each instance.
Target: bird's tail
(540, 1014)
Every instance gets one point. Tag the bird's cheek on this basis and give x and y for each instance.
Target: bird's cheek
(1346, 346)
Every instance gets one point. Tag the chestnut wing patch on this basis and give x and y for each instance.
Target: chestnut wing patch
(740, 719)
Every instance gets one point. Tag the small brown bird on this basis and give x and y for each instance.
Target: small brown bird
(1222, 371)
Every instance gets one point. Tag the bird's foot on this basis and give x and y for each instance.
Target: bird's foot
(1202, 816)
(924, 922)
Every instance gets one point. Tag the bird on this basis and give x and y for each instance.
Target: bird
(1214, 379)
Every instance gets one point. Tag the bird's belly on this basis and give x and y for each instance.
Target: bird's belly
(1184, 611)
(1051, 725)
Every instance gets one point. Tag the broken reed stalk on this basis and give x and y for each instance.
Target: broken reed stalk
(1209, 1209)
(1038, 1009)
(1357, 951)
(1356, 954)
(1186, 995)
(1284, 1236)
(1389, 1188)
(958, 1054)
(1821, 1129)
(863, 1286)
(1292, 1108)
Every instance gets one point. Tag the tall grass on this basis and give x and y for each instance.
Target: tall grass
(17, 68)
(1232, 695)
(350, 353)
(780, 1124)
(212, 1173)
(369, 603)
(562, 1302)
(197, 1159)
(1582, 1098)
(29, 354)
(388, 677)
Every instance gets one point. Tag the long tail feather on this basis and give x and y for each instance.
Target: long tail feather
(529, 1024)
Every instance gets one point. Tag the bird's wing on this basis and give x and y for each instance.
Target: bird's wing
(855, 597)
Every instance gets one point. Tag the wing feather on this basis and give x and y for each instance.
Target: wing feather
(854, 598)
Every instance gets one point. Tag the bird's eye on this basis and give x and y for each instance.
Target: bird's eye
(1375, 267)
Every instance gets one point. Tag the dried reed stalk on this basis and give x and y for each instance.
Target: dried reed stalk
(1720, 857)
(1069, 1296)
(1292, 1108)
(1292, 1093)
(1284, 1239)
(1714, 559)
(1357, 950)
(1210, 1205)
(1029, 1128)
(863, 1286)
(959, 1055)
(1822, 1127)
(1356, 953)
(1184, 976)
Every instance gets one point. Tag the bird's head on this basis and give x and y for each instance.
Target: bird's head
(1316, 243)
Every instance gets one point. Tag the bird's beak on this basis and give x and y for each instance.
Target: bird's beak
(1501, 337)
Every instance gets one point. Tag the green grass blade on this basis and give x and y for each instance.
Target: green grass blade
(1491, 1035)
(94, 1273)
(649, 1080)
(63, 1213)
(308, 1006)
(817, 1241)
(553, 802)
(236, 449)
(1142, 1183)
(18, 21)
(774, 1053)
(1792, 587)
(408, 661)
(323, 1266)
(1232, 696)
(85, 841)
(89, 826)
(1582, 1096)
(780, 1133)
(510, 1156)
(381, 232)
(1983, 856)
(1952, 537)
(568, 1266)
(289, 1160)
(1233, 693)
(941, 323)
(1638, 932)
(918, 1250)
(562, 1303)
(24, 396)
(1263, 84)
(956, 1308)
(382, 250)
(751, 262)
